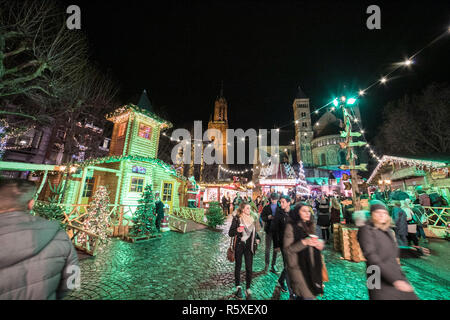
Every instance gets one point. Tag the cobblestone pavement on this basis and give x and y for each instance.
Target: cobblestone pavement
(194, 266)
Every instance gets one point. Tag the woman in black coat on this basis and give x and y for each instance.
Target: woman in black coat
(380, 249)
(244, 227)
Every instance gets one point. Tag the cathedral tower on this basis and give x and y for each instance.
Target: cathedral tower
(303, 128)
(220, 122)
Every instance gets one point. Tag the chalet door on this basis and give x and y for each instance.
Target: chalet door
(167, 194)
(88, 191)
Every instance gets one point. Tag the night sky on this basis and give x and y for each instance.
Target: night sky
(181, 51)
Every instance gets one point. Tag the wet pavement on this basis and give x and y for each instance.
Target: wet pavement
(194, 266)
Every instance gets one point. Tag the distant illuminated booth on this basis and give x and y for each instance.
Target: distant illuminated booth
(281, 177)
(215, 191)
(410, 174)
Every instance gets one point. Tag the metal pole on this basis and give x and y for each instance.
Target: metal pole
(353, 172)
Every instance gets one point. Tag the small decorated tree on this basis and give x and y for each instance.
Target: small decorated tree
(98, 220)
(144, 217)
(214, 215)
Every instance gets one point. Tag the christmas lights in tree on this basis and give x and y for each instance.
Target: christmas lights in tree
(145, 215)
(98, 220)
(302, 186)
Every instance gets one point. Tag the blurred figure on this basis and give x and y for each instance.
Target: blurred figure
(37, 258)
(401, 224)
(378, 244)
(267, 215)
(335, 211)
(323, 218)
(226, 203)
(277, 228)
(302, 250)
(159, 208)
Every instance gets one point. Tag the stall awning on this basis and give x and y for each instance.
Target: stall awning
(23, 166)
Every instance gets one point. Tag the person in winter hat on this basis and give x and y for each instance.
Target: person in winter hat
(37, 258)
(386, 281)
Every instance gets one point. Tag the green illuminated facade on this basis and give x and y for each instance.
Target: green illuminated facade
(131, 164)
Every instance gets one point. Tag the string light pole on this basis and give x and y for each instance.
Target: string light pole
(349, 144)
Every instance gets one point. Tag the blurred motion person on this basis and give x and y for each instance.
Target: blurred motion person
(37, 258)
(379, 247)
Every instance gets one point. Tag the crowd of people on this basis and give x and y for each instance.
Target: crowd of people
(297, 229)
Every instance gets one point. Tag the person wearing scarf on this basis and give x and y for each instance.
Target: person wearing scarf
(303, 254)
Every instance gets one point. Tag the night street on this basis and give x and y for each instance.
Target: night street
(194, 266)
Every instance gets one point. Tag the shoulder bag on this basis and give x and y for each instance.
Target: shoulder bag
(231, 249)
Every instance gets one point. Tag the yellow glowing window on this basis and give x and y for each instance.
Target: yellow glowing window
(137, 185)
(167, 192)
(122, 128)
(145, 131)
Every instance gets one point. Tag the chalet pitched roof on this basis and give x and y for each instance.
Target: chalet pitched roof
(144, 102)
(300, 94)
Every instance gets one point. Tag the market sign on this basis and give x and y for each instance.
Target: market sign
(278, 182)
(140, 170)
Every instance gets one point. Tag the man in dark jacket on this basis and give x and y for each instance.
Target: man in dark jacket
(37, 258)
(277, 227)
(401, 224)
(159, 208)
(268, 213)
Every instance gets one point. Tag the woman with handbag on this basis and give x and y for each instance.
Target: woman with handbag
(244, 228)
(303, 254)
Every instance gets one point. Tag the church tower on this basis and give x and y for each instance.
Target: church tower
(219, 121)
(303, 129)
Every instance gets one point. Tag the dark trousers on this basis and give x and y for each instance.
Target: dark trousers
(243, 249)
(421, 233)
(158, 222)
(284, 276)
(412, 237)
(269, 248)
(226, 210)
(325, 233)
(401, 240)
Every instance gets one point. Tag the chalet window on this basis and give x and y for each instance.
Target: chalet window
(88, 187)
(137, 184)
(145, 131)
(167, 192)
(122, 128)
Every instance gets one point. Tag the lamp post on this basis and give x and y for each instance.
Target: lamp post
(343, 102)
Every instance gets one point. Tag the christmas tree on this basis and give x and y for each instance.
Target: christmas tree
(98, 220)
(144, 217)
(302, 186)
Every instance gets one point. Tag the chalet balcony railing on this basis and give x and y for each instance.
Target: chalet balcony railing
(438, 217)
